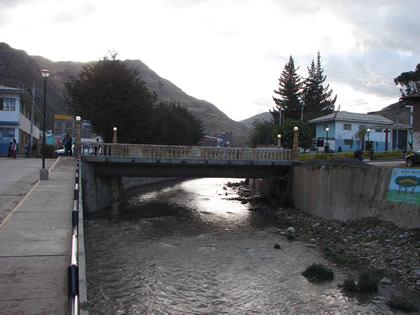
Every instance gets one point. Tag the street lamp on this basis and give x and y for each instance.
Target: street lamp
(295, 148)
(279, 141)
(327, 146)
(327, 129)
(368, 132)
(45, 74)
(114, 137)
(77, 136)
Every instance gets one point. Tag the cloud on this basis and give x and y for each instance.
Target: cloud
(73, 12)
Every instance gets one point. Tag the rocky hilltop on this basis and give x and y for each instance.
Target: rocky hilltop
(18, 69)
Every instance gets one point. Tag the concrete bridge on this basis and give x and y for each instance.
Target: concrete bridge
(105, 164)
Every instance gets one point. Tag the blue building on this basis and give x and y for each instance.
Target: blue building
(15, 119)
(339, 131)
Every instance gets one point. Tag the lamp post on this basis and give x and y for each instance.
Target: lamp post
(368, 132)
(114, 136)
(44, 173)
(279, 141)
(327, 146)
(77, 136)
(295, 148)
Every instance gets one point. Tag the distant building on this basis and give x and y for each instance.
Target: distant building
(217, 139)
(339, 131)
(15, 119)
(64, 124)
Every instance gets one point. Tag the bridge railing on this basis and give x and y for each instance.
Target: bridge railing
(185, 152)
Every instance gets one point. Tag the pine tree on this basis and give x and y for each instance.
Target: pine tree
(316, 98)
(289, 91)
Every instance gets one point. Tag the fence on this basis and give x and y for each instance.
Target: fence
(185, 152)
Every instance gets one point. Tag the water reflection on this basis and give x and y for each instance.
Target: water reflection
(187, 249)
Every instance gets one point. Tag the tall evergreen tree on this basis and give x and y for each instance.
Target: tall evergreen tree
(317, 100)
(110, 94)
(289, 91)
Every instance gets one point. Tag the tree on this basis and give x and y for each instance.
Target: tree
(287, 134)
(175, 125)
(263, 133)
(108, 94)
(289, 91)
(409, 81)
(317, 99)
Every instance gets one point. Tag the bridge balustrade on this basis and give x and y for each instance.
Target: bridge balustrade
(185, 152)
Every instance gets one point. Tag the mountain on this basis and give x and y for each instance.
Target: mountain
(18, 69)
(261, 117)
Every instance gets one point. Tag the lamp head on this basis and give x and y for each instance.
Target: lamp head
(279, 136)
(327, 129)
(296, 128)
(115, 129)
(368, 130)
(45, 73)
(78, 118)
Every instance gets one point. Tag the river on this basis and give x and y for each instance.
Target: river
(188, 248)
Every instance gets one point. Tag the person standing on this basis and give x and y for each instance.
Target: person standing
(67, 145)
(13, 148)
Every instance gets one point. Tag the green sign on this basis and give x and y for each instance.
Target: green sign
(404, 186)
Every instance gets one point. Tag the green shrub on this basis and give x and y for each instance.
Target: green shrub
(367, 282)
(402, 304)
(318, 273)
(350, 285)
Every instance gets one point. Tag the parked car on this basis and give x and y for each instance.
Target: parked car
(62, 151)
(413, 158)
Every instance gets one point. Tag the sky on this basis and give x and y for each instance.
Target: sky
(231, 52)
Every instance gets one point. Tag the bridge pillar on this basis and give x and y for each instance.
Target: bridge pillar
(115, 191)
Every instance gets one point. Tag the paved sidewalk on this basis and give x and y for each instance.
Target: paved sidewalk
(35, 245)
(16, 179)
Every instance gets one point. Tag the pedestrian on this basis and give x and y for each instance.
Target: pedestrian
(13, 148)
(9, 153)
(27, 150)
(34, 147)
(67, 145)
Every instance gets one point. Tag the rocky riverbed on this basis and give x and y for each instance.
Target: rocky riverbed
(393, 252)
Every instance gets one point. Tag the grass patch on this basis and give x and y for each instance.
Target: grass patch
(350, 285)
(337, 258)
(367, 282)
(318, 273)
(402, 304)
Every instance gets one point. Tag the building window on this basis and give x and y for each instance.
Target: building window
(378, 129)
(362, 127)
(7, 135)
(7, 104)
(348, 142)
(347, 126)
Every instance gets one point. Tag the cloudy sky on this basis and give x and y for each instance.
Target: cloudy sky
(231, 52)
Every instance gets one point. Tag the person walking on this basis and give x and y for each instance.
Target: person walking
(67, 145)
(13, 148)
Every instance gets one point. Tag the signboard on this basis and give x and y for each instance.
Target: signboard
(404, 186)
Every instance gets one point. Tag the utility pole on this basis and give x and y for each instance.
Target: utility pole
(32, 117)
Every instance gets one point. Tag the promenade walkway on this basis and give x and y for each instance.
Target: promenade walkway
(35, 236)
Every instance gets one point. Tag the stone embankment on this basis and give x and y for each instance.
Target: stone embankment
(379, 245)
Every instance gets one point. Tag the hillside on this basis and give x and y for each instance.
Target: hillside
(18, 69)
(261, 117)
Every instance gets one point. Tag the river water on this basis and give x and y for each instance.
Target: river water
(187, 248)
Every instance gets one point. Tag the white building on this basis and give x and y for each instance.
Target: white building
(340, 132)
(15, 119)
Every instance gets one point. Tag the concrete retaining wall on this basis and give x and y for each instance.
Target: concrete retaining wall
(350, 193)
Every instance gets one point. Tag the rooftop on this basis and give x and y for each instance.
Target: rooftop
(356, 117)
(7, 89)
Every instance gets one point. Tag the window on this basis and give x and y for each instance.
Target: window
(7, 135)
(361, 127)
(378, 129)
(7, 104)
(347, 126)
(348, 142)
